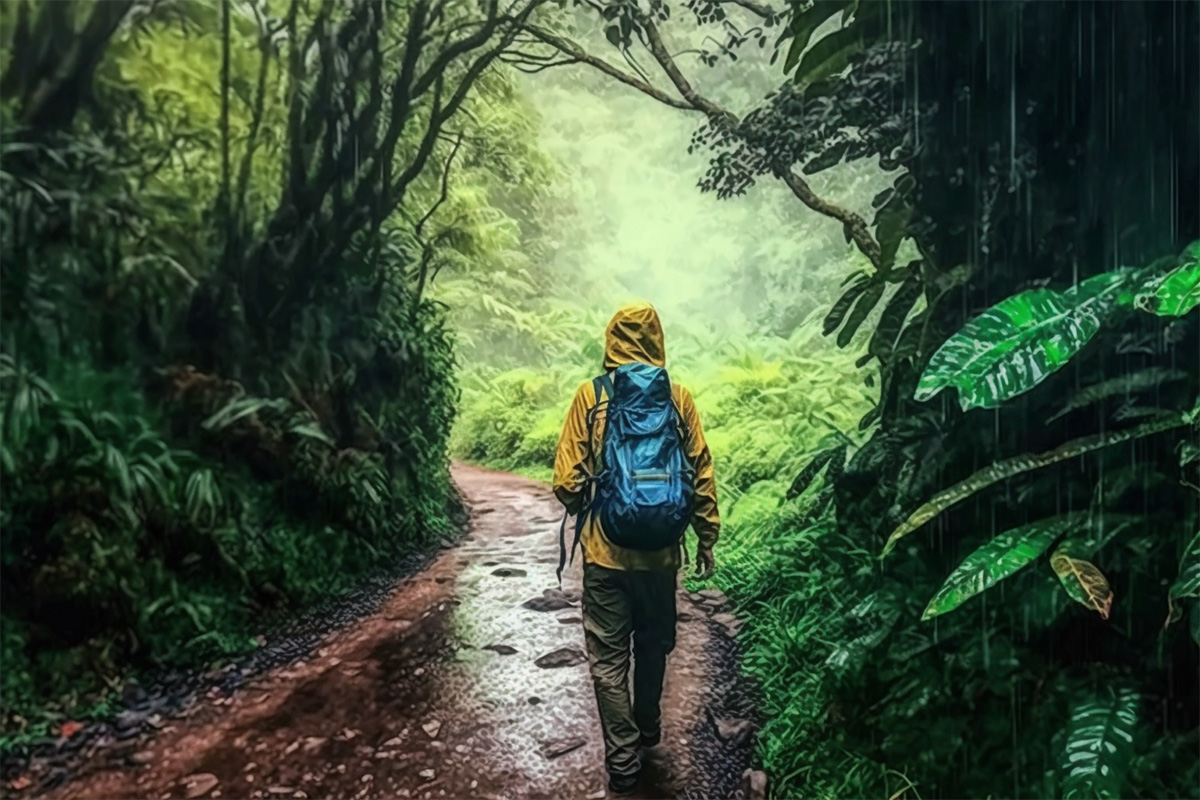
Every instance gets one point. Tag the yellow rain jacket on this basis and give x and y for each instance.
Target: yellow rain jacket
(633, 334)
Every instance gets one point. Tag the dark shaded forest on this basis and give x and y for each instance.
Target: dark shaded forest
(932, 275)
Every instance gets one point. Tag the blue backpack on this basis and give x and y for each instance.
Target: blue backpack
(643, 491)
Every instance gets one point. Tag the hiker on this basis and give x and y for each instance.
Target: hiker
(630, 520)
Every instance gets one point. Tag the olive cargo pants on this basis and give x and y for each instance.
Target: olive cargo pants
(618, 605)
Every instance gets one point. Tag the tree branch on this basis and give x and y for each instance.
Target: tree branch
(224, 204)
(458, 140)
(853, 224)
(758, 9)
(582, 56)
(427, 247)
(659, 50)
(256, 116)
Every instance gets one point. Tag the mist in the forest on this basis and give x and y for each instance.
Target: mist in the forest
(650, 233)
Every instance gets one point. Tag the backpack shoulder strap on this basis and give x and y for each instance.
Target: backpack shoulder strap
(604, 382)
(602, 388)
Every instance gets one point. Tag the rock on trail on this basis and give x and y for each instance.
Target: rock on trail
(439, 694)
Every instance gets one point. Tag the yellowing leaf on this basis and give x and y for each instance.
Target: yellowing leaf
(1084, 582)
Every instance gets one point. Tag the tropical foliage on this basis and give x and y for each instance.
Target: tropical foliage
(225, 393)
(1028, 466)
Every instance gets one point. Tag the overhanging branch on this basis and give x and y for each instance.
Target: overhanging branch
(854, 225)
(690, 99)
(580, 55)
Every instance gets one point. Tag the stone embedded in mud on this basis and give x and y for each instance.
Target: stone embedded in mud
(199, 784)
(599, 794)
(431, 728)
(551, 600)
(509, 572)
(502, 649)
(572, 620)
(563, 657)
(755, 783)
(713, 596)
(734, 731)
(427, 774)
(561, 747)
(729, 622)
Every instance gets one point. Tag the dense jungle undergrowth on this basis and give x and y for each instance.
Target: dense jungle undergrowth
(930, 269)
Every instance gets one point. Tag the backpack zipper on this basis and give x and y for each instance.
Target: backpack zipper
(650, 476)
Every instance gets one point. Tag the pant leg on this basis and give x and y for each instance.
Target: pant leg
(653, 596)
(607, 624)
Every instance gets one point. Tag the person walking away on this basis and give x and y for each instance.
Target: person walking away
(633, 467)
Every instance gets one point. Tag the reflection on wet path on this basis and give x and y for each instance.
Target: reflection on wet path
(457, 687)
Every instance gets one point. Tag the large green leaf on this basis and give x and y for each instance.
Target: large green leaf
(838, 313)
(813, 468)
(1099, 745)
(1018, 343)
(805, 23)
(891, 226)
(1026, 462)
(1187, 583)
(1127, 384)
(1177, 292)
(887, 330)
(1194, 618)
(829, 56)
(996, 560)
(865, 304)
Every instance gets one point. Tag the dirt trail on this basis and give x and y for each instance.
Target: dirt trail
(438, 694)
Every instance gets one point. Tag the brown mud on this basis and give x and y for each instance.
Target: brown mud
(454, 688)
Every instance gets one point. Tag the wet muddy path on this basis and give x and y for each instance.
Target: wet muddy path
(468, 682)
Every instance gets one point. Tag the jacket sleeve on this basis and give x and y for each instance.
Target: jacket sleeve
(570, 458)
(706, 520)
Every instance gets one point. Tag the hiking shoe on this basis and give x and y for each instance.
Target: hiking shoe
(622, 785)
(651, 739)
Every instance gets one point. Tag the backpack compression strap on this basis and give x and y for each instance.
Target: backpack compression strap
(603, 382)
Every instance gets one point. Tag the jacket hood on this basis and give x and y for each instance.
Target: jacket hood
(634, 334)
